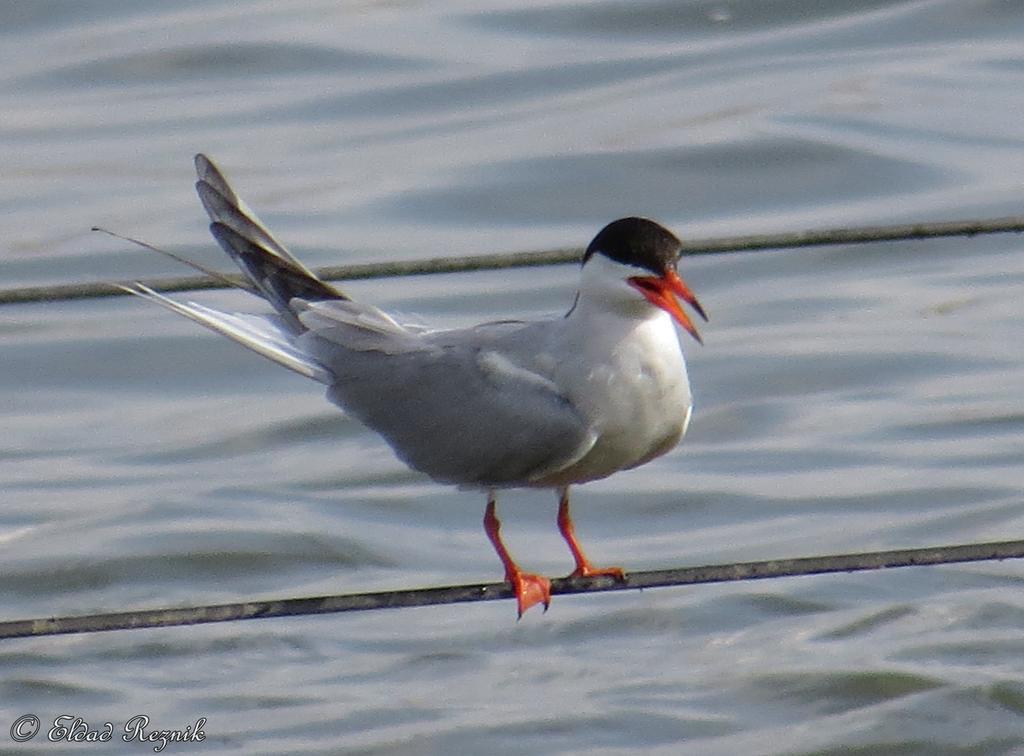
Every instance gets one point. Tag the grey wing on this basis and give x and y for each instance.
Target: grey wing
(458, 411)
(273, 272)
(224, 206)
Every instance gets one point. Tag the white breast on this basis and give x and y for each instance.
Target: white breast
(627, 376)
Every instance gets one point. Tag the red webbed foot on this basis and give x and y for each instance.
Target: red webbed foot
(530, 590)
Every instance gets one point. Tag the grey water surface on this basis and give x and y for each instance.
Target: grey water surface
(848, 399)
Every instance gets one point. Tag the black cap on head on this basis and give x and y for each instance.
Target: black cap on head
(637, 241)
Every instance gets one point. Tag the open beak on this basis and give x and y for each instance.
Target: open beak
(662, 291)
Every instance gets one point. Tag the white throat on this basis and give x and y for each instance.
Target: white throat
(604, 286)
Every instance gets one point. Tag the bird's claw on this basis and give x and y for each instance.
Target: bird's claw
(530, 590)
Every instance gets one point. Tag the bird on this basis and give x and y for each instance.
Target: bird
(546, 404)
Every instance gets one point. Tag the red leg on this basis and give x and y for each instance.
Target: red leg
(529, 589)
(583, 566)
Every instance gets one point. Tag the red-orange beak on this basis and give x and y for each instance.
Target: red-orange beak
(662, 291)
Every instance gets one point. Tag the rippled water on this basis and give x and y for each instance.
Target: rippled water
(847, 399)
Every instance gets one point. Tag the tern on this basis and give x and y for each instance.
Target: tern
(506, 404)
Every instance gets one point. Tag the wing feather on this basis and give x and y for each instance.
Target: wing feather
(223, 205)
(451, 408)
(355, 326)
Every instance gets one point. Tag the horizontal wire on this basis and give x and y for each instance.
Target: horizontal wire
(494, 591)
(811, 238)
(775, 568)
